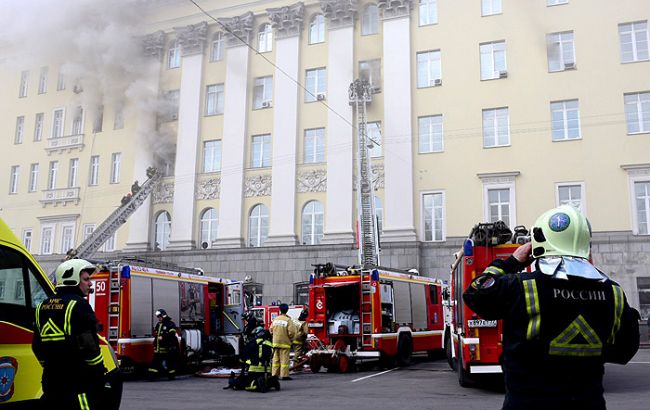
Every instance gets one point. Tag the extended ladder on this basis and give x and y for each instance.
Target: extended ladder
(365, 316)
(114, 305)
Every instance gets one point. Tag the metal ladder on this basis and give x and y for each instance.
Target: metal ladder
(114, 305)
(365, 316)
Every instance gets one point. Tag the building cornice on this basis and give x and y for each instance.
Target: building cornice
(192, 38)
(339, 13)
(238, 29)
(394, 8)
(287, 21)
(498, 177)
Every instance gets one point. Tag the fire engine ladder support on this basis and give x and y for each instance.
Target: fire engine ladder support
(107, 228)
(360, 94)
(365, 316)
(114, 306)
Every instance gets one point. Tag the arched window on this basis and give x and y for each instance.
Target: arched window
(218, 41)
(370, 20)
(317, 29)
(162, 231)
(265, 38)
(379, 211)
(258, 225)
(312, 223)
(209, 223)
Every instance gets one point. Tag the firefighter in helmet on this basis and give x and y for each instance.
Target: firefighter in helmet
(283, 331)
(165, 347)
(561, 322)
(300, 341)
(66, 342)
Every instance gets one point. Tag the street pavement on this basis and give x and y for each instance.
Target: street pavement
(423, 385)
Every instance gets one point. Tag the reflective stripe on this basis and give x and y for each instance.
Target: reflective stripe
(96, 360)
(618, 312)
(297, 342)
(493, 270)
(50, 332)
(83, 401)
(562, 346)
(68, 316)
(38, 317)
(281, 346)
(532, 307)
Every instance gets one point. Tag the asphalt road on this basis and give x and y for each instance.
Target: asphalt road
(424, 385)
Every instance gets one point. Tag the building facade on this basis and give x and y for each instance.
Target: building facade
(497, 111)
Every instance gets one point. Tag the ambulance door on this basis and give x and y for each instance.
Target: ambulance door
(233, 309)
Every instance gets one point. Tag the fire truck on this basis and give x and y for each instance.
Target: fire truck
(365, 314)
(473, 345)
(207, 309)
(266, 313)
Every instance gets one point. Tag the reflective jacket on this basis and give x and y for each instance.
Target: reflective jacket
(283, 331)
(302, 330)
(557, 334)
(164, 339)
(261, 356)
(66, 343)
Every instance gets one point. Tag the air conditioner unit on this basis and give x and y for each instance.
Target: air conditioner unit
(266, 104)
(320, 97)
(570, 65)
(437, 82)
(503, 74)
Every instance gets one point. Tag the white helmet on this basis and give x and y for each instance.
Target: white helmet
(68, 273)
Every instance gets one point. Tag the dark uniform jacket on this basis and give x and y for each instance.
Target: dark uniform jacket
(66, 343)
(557, 334)
(166, 329)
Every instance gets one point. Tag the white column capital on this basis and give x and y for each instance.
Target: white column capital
(287, 20)
(192, 38)
(395, 8)
(153, 44)
(340, 13)
(238, 29)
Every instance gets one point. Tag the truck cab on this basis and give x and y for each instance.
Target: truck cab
(23, 285)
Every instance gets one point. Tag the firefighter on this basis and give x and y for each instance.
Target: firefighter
(561, 322)
(300, 341)
(66, 342)
(250, 325)
(165, 347)
(283, 331)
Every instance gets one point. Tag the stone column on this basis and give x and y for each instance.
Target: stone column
(287, 23)
(192, 42)
(399, 224)
(339, 209)
(139, 222)
(234, 132)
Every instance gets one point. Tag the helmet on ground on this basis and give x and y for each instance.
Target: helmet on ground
(69, 272)
(561, 231)
(284, 308)
(161, 313)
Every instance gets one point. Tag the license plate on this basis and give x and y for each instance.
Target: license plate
(481, 323)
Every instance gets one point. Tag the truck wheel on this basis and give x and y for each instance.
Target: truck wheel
(385, 361)
(404, 351)
(463, 376)
(315, 364)
(450, 359)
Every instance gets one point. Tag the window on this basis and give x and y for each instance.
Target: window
(42, 81)
(258, 225)
(33, 177)
(560, 50)
(370, 70)
(60, 81)
(556, 2)
(38, 126)
(312, 223)
(301, 293)
(109, 245)
(57, 123)
(493, 60)
(212, 156)
(490, 7)
(67, 238)
(263, 92)
(317, 29)
(19, 290)
(634, 41)
(174, 55)
(24, 83)
(637, 112)
(13, 179)
(116, 159)
(27, 241)
(570, 194)
(496, 128)
(72, 174)
(20, 130)
(642, 206)
(265, 38)
(373, 130)
(3, 286)
(314, 147)
(94, 170)
(643, 285)
(170, 106)
(214, 99)
(47, 240)
(209, 223)
(51, 175)
(118, 119)
(315, 84)
(88, 230)
(77, 122)
(98, 122)
(379, 213)
(370, 20)
(434, 216)
(261, 151)
(428, 12)
(162, 232)
(430, 134)
(499, 205)
(216, 53)
(565, 120)
(429, 69)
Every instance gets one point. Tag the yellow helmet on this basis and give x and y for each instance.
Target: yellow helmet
(561, 231)
(69, 272)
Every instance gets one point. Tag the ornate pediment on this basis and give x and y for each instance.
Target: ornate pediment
(312, 181)
(208, 189)
(164, 193)
(258, 185)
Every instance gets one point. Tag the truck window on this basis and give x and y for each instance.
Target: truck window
(433, 294)
(20, 289)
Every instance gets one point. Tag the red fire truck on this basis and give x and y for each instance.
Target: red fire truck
(378, 313)
(473, 345)
(266, 313)
(207, 309)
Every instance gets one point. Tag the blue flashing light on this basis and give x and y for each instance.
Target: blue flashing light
(311, 278)
(468, 247)
(374, 275)
(126, 272)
